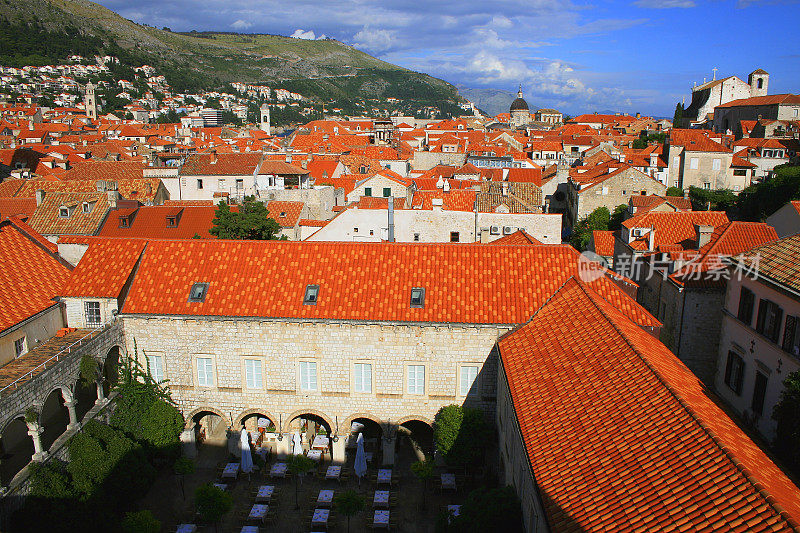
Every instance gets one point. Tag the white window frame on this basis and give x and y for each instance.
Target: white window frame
(207, 362)
(21, 349)
(99, 321)
(694, 163)
(253, 380)
(716, 164)
(305, 385)
(474, 381)
(156, 370)
(361, 370)
(418, 388)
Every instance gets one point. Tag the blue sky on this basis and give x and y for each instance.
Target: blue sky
(633, 56)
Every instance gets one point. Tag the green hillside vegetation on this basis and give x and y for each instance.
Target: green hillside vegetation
(39, 32)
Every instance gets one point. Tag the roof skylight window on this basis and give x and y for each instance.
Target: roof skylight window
(418, 297)
(312, 293)
(198, 292)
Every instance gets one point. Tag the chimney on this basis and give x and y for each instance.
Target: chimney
(39, 197)
(304, 164)
(652, 239)
(638, 115)
(113, 196)
(446, 187)
(288, 158)
(213, 154)
(391, 219)
(504, 186)
(703, 234)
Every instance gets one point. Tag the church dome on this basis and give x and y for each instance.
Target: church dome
(519, 104)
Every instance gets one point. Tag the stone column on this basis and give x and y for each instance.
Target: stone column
(35, 431)
(388, 450)
(338, 447)
(101, 397)
(73, 416)
(283, 446)
(188, 444)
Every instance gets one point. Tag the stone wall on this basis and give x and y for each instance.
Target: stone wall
(335, 347)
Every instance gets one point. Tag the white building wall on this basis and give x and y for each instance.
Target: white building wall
(35, 330)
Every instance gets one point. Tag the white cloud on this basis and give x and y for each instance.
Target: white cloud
(375, 41)
(241, 24)
(308, 35)
(664, 4)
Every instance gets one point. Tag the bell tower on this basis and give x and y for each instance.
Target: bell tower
(265, 126)
(758, 81)
(90, 102)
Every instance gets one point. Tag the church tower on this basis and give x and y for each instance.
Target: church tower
(520, 113)
(91, 102)
(265, 119)
(758, 81)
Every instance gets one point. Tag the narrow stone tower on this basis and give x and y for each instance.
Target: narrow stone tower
(758, 81)
(91, 102)
(265, 119)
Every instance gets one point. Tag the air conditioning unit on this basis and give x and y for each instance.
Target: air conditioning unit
(508, 230)
(494, 230)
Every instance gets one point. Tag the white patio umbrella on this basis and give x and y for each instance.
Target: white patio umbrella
(247, 459)
(297, 445)
(360, 465)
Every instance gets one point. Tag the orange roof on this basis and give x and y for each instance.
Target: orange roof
(519, 237)
(506, 283)
(47, 219)
(285, 213)
(695, 141)
(376, 202)
(603, 243)
(727, 240)
(647, 202)
(526, 175)
(105, 170)
(23, 207)
(30, 273)
(93, 277)
(454, 200)
(779, 261)
(676, 227)
(233, 164)
(151, 222)
(621, 436)
(764, 100)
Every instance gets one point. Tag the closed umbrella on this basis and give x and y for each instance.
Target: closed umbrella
(247, 459)
(297, 446)
(360, 466)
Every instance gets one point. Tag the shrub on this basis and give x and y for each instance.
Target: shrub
(787, 414)
(486, 510)
(141, 522)
(212, 502)
(459, 434)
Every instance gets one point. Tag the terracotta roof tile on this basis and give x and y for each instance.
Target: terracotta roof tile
(603, 243)
(285, 213)
(519, 237)
(48, 221)
(621, 436)
(234, 164)
(30, 274)
(778, 261)
(676, 227)
(93, 277)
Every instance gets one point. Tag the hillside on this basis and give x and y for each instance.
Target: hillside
(40, 31)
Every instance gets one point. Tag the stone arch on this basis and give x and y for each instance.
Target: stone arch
(17, 447)
(66, 393)
(10, 419)
(255, 411)
(414, 418)
(53, 416)
(109, 368)
(301, 412)
(204, 409)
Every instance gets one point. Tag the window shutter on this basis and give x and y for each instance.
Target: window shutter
(788, 332)
(762, 315)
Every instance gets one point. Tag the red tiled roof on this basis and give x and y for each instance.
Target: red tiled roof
(376, 202)
(676, 227)
(506, 283)
(695, 141)
(621, 436)
(647, 202)
(151, 222)
(454, 200)
(519, 237)
(30, 274)
(93, 275)
(23, 207)
(233, 164)
(778, 261)
(763, 100)
(105, 170)
(603, 243)
(285, 213)
(526, 175)
(727, 240)
(313, 223)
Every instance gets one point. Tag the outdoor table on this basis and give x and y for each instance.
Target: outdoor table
(278, 470)
(314, 455)
(381, 498)
(221, 486)
(381, 519)
(454, 510)
(186, 528)
(258, 512)
(449, 481)
(265, 493)
(231, 470)
(320, 443)
(384, 476)
(325, 497)
(320, 517)
(333, 472)
(249, 529)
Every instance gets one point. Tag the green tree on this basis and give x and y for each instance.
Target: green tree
(485, 509)
(711, 200)
(348, 503)
(787, 414)
(212, 503)
(615, 221)
(424, 471)
(140, 522)
(459, 434)
(599, 219)
(299, 466)
(250, 222)
(674, 191)
(677, 118)
(759, 201)
(181, 467)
